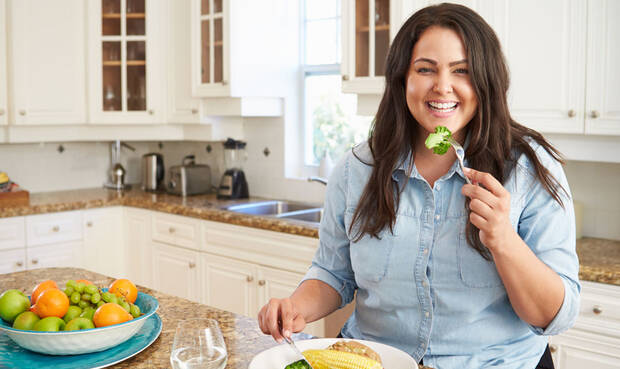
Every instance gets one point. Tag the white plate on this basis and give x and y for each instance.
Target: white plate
(280, 356)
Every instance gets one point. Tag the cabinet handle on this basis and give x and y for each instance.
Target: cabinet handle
(22, 112)
(249, 278)
(553, 348)
(171, 230)
(594, 114)
(345, 77)
(261, 282)
(19, 264)
(571, 113)
(194, 111)
(55, 228)
(35, 261)
(89, 224)
(224, 82)
(597, 309)
(192, 265)
(151, 111)
(1, 112)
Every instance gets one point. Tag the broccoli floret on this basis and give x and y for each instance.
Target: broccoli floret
(439, 141)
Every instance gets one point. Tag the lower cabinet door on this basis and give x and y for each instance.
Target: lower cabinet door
(576, 349)
(12, 260)
(229, 284)
(176, 271)
(66, 254)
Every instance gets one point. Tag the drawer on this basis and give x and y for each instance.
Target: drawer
(601, 303)
(12, 233)
(12, 261)
(176, 230)
(52, 228)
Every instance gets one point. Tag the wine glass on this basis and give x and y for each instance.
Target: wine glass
(198, 343)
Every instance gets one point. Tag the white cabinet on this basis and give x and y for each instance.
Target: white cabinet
(103, 250)
(12, 244)
(176, 271)
(3, 70)
(229, 284)
(594, 341)
(54, 240)
(13, 260)
(62, 254)
(126, 75)
(137, 229)
(47, 59)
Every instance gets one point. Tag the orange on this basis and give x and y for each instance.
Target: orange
(52, 302)
(85, 281)
(110, 313)
(45, 285)
(125, 288)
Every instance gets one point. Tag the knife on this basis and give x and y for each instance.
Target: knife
(292, 345)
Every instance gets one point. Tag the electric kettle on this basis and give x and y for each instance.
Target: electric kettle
(152, 172)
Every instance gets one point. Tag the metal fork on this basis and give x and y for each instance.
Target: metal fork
(460, 154)
(292, 345)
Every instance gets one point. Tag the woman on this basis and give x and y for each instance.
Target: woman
(463, 276)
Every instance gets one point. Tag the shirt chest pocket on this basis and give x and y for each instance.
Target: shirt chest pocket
(474, 270)
(370, 256)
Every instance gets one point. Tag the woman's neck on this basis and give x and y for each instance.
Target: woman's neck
(432, 166)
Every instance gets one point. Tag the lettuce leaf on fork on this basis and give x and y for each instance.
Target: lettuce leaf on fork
(439, 141)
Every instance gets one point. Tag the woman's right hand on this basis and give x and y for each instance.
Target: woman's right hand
(280, 317)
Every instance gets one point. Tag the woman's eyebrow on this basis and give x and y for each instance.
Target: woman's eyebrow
(431, 61)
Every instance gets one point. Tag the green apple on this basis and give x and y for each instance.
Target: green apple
(73, 312)
(13, 303)
(88, 313)
(50, 324)
(26, 321)
(79, 323)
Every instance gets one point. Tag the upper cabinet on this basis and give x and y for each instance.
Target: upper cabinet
(237, 48)
(3, 71)
(47, 63)
(125, 57)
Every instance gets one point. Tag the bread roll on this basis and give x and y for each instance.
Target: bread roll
(356, 348)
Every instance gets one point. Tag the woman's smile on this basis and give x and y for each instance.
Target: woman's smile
(442, 108)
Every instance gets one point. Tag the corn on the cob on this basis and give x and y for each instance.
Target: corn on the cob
(332, 359)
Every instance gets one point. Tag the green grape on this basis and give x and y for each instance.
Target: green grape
(107, 296)
(134, 310)
(84, 304)
(101, 302)
(69, 291)
(71, 283)
(86, 296)
(95, 298)
(91, 289)
(80, 287)
(115, 300)
(75, 297)
(125, 305)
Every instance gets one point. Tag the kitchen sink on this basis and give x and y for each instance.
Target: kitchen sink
(280, 209)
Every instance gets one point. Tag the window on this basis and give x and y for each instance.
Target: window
(330, 123)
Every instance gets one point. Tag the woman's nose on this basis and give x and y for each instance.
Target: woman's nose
(443, 84)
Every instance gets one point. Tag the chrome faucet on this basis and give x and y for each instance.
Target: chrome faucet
(318, 179)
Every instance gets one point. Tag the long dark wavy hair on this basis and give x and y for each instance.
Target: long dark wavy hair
(492, 131)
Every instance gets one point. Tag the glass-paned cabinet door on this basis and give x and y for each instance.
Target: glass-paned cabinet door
(124, 47)
(209, 63)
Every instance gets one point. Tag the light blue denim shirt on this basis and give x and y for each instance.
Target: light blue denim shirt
(423, 289)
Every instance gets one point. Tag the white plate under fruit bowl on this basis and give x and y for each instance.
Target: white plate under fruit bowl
(279, 357)
(86, 340)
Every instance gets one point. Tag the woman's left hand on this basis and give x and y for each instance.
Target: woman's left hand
(490, 209)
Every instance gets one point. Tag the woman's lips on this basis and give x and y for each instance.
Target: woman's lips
(442, 113)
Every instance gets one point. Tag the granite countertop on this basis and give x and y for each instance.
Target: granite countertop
(243, 338)
(599, 259)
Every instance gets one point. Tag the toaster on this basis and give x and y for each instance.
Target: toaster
(189, 178)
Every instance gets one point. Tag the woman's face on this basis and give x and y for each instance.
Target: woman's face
(439, 90)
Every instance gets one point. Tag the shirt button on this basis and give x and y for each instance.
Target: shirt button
(425, 251)
(437, 187)
(437, 217)
(424, 284)
(426, 314)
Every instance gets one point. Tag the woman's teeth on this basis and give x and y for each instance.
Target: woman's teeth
(442, 107)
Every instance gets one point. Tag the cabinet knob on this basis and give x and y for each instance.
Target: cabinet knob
(261, 282)
(194, 111)
(151, 111)
(192, 265)
(597, 309)
(594, 114)
(224, 82)
(553, 348)
(249, 278)
(89, 224)
(22, 112)
(171, 230)
(345, 77)
(19, 264)
(55, 228)
(571, 113)
(35, 261)
(1, 112)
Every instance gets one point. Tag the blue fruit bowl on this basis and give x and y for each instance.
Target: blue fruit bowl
(86, 340)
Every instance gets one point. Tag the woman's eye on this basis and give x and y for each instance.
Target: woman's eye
(424, 70)
(462, 71)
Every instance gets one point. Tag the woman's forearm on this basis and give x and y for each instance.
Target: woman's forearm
(536, 292)
(315, 299)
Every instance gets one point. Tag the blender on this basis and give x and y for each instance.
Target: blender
(233, 184)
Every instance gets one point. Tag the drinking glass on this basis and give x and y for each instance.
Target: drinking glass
(198, 343)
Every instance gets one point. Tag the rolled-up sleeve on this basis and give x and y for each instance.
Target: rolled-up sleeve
(549, 230)
(332, 263)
